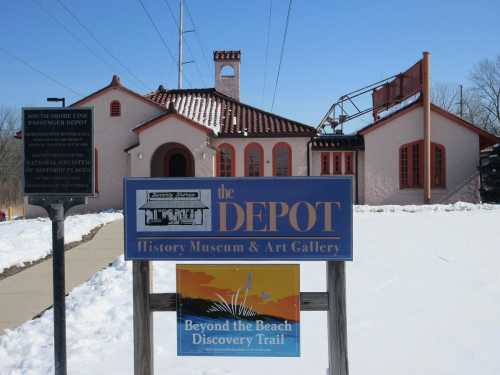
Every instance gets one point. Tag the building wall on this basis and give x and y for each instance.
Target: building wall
(382, 157)
(297, 144)
(172, 129)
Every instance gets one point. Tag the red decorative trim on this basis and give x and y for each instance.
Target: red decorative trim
(115, 109)
(164, 116)
(348, 163)
(275, 162)
(96, 171)
(248, 147)
(337, 162)
(325, 163)
(218, 159)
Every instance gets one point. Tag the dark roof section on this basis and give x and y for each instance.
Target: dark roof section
(227, 55)
(228, 117)
(339, 143)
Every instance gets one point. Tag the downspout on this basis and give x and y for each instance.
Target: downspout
(308, 155)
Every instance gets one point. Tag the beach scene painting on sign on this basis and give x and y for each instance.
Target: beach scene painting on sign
(238, 310)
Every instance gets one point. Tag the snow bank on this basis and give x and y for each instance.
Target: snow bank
(24, 241)
(423, 297)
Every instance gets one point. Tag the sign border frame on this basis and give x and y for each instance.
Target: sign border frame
(237, 259)
(92, 156)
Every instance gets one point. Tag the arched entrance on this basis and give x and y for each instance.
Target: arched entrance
(172, 160)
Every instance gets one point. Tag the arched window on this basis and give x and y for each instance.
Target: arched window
(282, 159)
(254, 160)
(115, 109)
(225, 159)
(227, 71)
(411, 165)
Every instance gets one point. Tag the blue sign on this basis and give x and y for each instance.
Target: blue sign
(293, 218)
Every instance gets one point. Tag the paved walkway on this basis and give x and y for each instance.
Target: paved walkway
(29, 292)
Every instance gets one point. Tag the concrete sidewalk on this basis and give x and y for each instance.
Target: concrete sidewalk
(29, 292)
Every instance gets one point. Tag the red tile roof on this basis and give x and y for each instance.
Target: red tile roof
(227, 116)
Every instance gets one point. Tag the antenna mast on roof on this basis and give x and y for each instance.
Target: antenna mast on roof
(181, 62)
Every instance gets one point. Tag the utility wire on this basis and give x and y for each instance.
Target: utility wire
(47, 76)
(170, 10)
(73, 35)
(282, 52)
(267, 50)
(198, 38)
(92, 35)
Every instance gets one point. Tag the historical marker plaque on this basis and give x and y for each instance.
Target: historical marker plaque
(58, 151)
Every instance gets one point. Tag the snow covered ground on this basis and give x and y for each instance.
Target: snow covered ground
(423, 298)
(24, 241)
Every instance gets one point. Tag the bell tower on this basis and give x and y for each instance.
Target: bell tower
(227, 73)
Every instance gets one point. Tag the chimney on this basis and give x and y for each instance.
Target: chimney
(227, 73)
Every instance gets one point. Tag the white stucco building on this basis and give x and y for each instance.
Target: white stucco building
(210, 132)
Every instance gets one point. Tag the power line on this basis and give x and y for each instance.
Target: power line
(73, 35)
(92, 35)
(47, 76)
(282, 51)
(170, 10)
(198, 39)
(267, 50)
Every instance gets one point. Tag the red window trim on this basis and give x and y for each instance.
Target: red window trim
(261, 161)
(275, 148)
(115, 108)
(96, 171)
(336, 155)
(233, 158)
(325, 156)
(349, 167)
(409, 166)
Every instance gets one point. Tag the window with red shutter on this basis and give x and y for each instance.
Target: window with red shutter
(411, 165)
(115, 109)
(325, 163)
(438, 161)
(337, 162)
(348, 168)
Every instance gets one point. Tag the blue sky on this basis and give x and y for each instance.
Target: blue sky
(332, 48)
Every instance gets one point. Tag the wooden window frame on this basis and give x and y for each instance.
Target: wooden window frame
(442, 176)
(248, 147)
(336, 171)
(115, 109)
(275, 158)
(218, 159)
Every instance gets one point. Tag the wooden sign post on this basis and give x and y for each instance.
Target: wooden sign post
(157, 227)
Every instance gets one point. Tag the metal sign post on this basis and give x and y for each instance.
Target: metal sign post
(58, 175)
(238, 219)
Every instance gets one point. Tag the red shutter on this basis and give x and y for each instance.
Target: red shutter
(325, 163)
(348, 168)
(337, 162)
(115, 109)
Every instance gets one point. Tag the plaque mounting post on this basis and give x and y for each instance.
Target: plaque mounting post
(57, 207)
